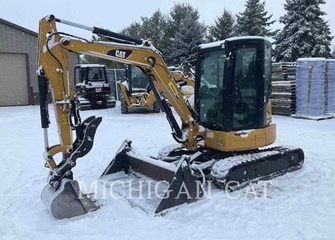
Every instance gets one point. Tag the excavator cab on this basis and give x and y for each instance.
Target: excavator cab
(233, 84)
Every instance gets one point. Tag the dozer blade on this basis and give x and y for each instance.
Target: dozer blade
(67, 201)
(183, 186)
(236, 172)
(182, 181)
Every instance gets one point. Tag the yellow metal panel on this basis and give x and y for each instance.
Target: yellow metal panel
(240, 140)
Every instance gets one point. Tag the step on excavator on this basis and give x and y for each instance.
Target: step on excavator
(221, 138)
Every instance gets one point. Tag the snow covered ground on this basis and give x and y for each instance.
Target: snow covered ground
(298, 205)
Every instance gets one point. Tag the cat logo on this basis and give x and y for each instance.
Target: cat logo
(120, 53)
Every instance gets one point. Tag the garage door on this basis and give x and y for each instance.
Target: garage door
(13, 80)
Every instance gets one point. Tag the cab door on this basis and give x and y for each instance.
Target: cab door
(245, 85)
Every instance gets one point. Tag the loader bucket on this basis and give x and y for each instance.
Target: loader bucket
(183, 186)
(67, 201)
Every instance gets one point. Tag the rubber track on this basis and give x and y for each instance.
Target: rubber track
(238, 171)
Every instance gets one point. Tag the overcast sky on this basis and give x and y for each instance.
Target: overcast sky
(116, 15)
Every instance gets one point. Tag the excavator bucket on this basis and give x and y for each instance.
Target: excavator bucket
(64, 199)
(67, 201)
(182, 185)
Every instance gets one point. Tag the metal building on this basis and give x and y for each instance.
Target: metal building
(18, 64)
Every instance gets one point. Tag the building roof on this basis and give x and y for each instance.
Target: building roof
(3, 21)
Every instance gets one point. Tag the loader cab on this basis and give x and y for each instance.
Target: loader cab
(137, 80)
(86, 73)
(233, 84)
(91, 80)
(92, 87)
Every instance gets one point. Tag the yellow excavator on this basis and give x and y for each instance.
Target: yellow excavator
(221, 138)
(136, 94)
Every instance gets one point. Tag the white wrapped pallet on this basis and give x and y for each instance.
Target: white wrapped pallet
(311, 86)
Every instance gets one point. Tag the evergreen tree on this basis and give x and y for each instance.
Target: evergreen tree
(305, 32)
(177, 14)
(176, 18)
(134, 30)
(223, 27)
(184, 45)
(149, 27)
(171, 34)
(155, 28)
(254, 21)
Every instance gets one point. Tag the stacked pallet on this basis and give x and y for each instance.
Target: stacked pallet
(283, 88)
